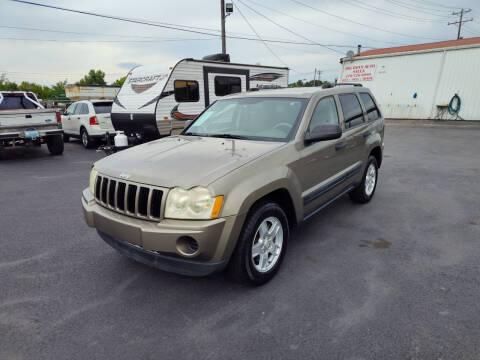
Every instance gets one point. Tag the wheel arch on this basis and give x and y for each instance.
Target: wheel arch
(377, 153)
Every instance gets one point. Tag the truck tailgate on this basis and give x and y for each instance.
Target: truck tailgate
(27, 118)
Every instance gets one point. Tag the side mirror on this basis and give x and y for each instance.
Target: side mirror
(323, 132)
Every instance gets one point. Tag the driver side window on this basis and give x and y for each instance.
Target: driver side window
(71, 109)
(325, 113)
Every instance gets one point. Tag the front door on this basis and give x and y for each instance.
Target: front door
(220, 81)
(324, 166)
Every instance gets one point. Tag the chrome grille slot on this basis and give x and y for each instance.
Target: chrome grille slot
(121, 196)
(131, 196)
(141, 201)
(111, 193)
(155, 203)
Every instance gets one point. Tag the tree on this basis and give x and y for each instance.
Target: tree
(309, 83)
(7, 85)
(119, 82)
(58, 90)
(93, 78)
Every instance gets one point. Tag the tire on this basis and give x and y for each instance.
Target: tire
(364, 192)
(245, 268)
(85, 139)
(66, 138)
(55, 144)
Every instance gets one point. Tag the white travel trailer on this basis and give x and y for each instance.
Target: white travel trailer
(156, 100)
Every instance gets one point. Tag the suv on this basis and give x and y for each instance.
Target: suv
(229, 190)
(88, 120)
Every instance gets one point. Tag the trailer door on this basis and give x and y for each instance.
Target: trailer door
(221, 81)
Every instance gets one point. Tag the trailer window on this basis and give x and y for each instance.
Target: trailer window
(372, 110)
(186, 91)
(225, 85)
(352, 111)
(15, 102)
(102, 107)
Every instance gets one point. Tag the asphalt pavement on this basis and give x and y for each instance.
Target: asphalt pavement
(398, 278)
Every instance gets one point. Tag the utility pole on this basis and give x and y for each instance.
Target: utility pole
(461, 21)
(314, 77)
(222, 16)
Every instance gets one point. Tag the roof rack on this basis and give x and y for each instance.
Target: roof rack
(351, 84)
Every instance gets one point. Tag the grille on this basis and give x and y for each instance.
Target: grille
(128, 198)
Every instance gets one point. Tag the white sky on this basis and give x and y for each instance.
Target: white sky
(115, 46)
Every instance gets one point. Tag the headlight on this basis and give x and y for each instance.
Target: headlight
(93, 177)
(196, 203)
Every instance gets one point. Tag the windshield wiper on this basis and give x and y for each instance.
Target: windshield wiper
(229, 136)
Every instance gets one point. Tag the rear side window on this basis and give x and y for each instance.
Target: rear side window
(325, 113)
(352, 111)
(225, 85)
(372, 109)
(102, 107)
(81, 109)
(15, 102)
(186, 91)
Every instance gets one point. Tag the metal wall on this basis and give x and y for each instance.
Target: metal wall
(419, 85)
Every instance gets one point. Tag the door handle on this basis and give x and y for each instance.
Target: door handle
(340, 146)
(367, 133)
(78, 118)
(28, 116)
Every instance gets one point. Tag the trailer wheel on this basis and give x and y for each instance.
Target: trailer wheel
(55, 144)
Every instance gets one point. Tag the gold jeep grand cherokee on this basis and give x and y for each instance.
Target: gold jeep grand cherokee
(227, 191)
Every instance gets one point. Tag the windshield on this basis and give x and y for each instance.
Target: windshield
(256, 118)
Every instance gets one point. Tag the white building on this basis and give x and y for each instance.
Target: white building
(419, 81)
(87, 92)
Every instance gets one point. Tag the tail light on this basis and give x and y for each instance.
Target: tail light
(59, 117)
(93, 120)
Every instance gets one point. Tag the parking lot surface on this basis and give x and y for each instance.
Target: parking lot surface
(397, 278)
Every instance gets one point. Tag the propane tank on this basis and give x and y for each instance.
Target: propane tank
(120, 140)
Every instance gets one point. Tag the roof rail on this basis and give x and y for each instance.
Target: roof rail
(351, 84)
(266, 87)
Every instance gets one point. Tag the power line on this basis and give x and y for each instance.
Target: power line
(416, 7)
(376, 9)
(287, 29)
(431, 3)
(460, 20)
(256, 33)
(149, 23)
(356, 22)
(99, 41)
(320, 25)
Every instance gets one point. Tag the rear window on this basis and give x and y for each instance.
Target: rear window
(15, 102)
(102, 107)
(352, 111)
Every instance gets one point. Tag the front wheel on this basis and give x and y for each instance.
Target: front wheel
(261, 246)
(55, 144)
(363, 193)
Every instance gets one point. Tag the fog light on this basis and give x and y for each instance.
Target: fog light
(187, 245)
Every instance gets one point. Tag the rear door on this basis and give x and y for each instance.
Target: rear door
(354, 128)
(220, 81)
(102, 111)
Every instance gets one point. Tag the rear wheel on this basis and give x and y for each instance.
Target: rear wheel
(261, 246)
(85, 138)
(55, 144)
(363, 193)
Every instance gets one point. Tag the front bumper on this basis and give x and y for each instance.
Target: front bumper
(156, 243)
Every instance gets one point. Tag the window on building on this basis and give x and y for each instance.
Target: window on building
(325, 113)
(370, 106)
(225, 85)
(186, 91)
(352, 111)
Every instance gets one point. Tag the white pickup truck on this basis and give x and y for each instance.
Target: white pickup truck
(25, 122)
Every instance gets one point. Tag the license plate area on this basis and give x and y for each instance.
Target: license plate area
(31, 134)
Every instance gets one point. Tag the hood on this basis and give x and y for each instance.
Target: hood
(184, 161)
